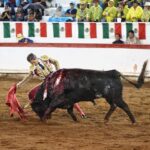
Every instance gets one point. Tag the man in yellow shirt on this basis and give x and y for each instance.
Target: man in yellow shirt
(82, 13)
(42, 67)
(110, 12)
(95, 12)
(135, 12)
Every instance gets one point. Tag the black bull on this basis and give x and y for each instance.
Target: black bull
(68, 86)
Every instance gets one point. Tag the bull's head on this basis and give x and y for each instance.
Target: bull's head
(39, 108)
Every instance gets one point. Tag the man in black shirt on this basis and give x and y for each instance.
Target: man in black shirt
(72, 11)
(118, 39)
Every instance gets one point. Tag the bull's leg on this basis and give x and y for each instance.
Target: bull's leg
(109, 113)
(121, 103)
(52, 106)
(70, 111)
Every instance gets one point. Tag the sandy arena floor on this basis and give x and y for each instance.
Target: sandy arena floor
(61, 133)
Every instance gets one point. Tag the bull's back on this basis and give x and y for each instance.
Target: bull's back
(78, 78)
(77, 73)
(88, 84)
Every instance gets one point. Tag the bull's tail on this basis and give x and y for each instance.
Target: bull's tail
(141, 77)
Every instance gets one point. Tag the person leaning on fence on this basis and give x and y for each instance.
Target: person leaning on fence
(132, 39)
(135, 12)
(41, 68)
(22, 39)
(95, 12)
(118, 39)
(110, 12)
(82, 13)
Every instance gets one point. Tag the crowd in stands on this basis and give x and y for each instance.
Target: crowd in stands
(22, 10)
(85, 10)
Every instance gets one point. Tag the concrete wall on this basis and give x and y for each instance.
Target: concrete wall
(13, 59)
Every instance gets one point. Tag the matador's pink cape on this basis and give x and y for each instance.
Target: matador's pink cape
(13, 103)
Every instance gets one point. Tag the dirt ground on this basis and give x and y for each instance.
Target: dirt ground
(61, 133)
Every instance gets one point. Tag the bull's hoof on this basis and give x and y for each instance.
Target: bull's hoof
(106, 121)
(76, 121)
(45, 118)
(134, 123)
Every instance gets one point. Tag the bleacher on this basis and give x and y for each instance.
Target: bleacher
(59, 28)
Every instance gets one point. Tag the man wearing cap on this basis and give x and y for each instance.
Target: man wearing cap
(146, 12)
(82, 13)
(135, 12)
(95, 12)
(72, 11)
(110, 12)
(22, 39)
(41, 68)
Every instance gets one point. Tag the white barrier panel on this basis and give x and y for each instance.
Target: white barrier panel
(127, 61)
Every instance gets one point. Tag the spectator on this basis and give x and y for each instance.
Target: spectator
(38, 15)
(82, 13)
(110, 12)
(135, 12)
(122, 11)
(95, 12)
(6, 15)
(72, 11)
(59, 12)
(22, 39)
(132, 39)
(19, 14)
(146, 12)
(118, 39)
(31, 15)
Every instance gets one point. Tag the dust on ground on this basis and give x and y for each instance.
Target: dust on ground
(61, 133)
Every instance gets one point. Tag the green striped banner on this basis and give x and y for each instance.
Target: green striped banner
(129, 26)
(105, 27)
(56, 32)
(80, 30)
(31, 29)
(65, 30)
(6, 29)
